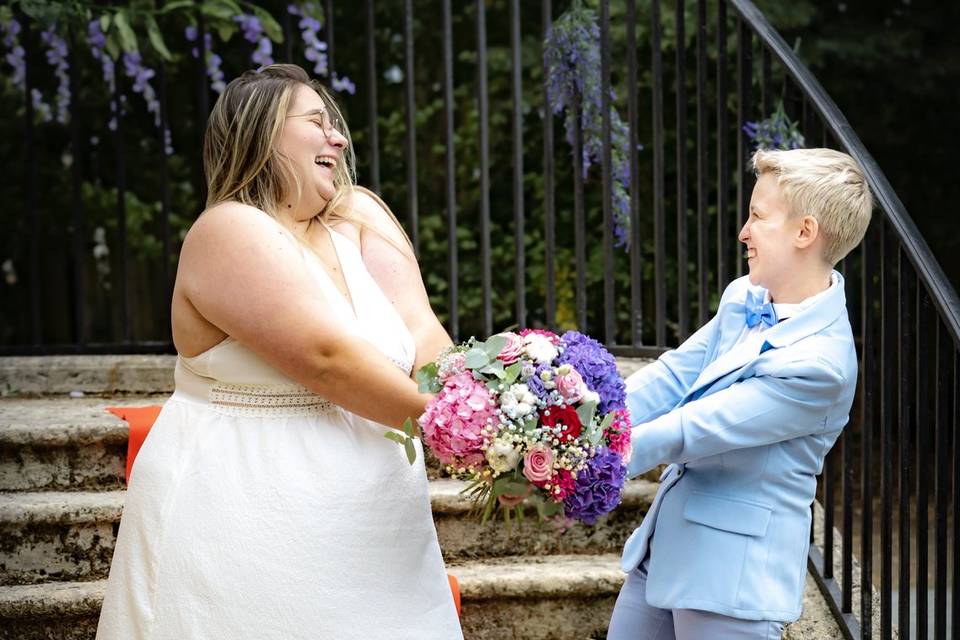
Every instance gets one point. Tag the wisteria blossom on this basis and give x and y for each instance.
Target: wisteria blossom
(98, 42)
(213, 61)
(57, 57)
(572, 56)
(253, 32)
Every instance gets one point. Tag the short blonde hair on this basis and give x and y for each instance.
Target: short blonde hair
(826, 184)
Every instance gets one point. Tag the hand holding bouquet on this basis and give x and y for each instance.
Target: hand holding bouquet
(530, 418)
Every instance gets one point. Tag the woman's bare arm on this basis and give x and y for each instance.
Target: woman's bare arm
(247, 276)
(394, 267)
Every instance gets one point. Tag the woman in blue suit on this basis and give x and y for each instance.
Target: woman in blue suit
(746, 410)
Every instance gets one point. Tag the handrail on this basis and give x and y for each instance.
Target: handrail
(943, 294)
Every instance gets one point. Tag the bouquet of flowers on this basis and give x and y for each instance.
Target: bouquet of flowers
(529, 418)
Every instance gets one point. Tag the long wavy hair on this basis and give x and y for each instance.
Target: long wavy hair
(241, 161)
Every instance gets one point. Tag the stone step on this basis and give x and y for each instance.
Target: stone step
(553, 598)
(112, 374)
(64, 443)
(71, 535)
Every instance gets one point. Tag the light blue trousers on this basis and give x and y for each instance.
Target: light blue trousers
(634, 619)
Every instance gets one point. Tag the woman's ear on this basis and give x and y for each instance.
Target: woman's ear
(808, 232)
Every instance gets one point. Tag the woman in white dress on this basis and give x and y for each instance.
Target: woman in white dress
(266, 503)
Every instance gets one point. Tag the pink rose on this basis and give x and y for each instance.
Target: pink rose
(513, 349)
(570, 384)
(538, 463)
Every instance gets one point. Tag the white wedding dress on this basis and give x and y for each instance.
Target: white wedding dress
(257, 510)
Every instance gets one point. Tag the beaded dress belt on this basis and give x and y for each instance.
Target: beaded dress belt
(261, 400)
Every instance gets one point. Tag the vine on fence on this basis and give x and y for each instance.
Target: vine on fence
(572, 57)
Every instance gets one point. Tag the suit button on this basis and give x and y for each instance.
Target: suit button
(680, 472)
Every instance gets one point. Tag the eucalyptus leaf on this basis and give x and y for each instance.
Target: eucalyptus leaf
(585, 412)
(156, 39)
(411, 450)
(495, 368)
(494, 345)
(427, 381)
(607, 421)
(594, 435)
(128, 39)
(476, 359)
(396, 437)
(512, 373)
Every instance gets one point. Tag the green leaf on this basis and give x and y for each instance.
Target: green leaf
(594, 435)
(408, 427)
(396, 437)
(156, 39)
(495, 368)
(218, 10)
(128, 39)
(226, 30)
(530, 422)
(476, 358)
(585, 412)
(607, 421)
(270, 26)
(494, 345)
(105, 22)
(176, 4)
(411, 450)
(113, 49)
(427, 380)
(512, 373)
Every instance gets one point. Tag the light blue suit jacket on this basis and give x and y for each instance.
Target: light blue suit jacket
(747, 427)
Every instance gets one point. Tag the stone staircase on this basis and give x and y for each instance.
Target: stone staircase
(61, 498)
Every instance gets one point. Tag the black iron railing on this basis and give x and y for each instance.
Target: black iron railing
(510, 231)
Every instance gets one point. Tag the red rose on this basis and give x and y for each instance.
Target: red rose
(564, 417)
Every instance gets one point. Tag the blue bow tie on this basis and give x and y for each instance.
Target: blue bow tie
(758, 311)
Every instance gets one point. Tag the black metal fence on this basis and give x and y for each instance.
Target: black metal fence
(481, 159)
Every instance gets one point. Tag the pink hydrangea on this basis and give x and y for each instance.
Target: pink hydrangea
(453, 423)
(618, 435)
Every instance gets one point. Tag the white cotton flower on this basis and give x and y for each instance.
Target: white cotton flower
(502, 456)
(518, 401)
(539, 348)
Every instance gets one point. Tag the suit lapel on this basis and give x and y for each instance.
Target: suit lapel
(734, 357)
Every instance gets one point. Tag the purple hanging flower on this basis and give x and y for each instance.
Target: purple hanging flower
(314, 49)
(15, 54)
(213, 61)
(343, 84)
(572, 57)
(775, 132)
(598, 487)
(98, 42)
(57, 58)
(597, 366)
(253, 33)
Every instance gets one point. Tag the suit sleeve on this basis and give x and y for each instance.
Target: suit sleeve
(753, 412)
(658, 387)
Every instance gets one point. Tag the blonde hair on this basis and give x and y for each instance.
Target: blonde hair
(241, 161)
(826, 184)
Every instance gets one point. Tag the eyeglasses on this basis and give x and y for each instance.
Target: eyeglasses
(327, 124)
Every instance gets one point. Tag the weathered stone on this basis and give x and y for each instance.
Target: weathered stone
(64, 443)
(627, 366)
(42, 375)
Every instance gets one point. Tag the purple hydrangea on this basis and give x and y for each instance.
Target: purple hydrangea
(598, 487)
(597, 366)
